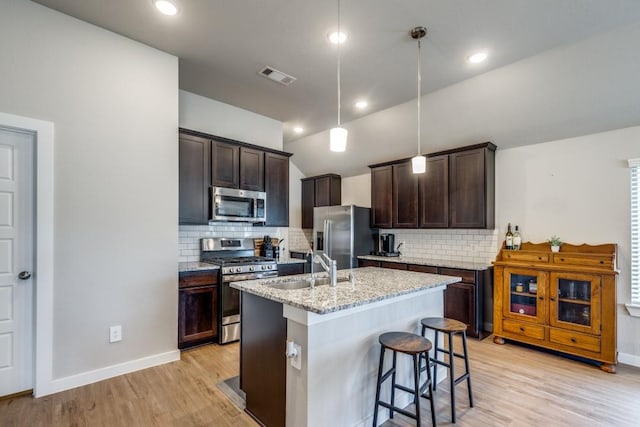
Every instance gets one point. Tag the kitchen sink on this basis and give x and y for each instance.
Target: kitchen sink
(303, 283)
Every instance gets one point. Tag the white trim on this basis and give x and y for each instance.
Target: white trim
(633, 309)
(43, 277)
(634, 162)
(90, 377)
(629, 359)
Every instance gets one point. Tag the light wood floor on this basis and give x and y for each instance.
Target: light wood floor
(512, 386)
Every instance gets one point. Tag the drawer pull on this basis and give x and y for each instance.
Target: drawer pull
(573, 340)
(539, 258)
(561, 259)
(601, 262)
(541, 298)
(521, 329)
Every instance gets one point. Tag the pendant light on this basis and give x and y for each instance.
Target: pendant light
(338, 135)
(419, 162)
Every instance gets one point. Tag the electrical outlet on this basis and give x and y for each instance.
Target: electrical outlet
(115, 333)
(296, 361)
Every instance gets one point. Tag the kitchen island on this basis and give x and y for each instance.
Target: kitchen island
(337, 330)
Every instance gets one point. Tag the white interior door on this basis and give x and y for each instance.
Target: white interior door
(16, 260)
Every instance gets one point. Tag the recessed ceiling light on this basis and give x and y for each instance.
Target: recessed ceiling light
(298, 129)
(335, 38)
(166, 7)
(477, 57)
(362, 104)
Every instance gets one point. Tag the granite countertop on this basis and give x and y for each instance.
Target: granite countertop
(465, 265)
(371, 284)
(196, 266)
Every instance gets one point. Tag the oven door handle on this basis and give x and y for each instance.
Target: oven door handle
(249, 276)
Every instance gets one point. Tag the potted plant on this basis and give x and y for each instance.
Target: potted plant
(555, 243)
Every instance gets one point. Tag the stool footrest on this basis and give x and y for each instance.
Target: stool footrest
(387, 374)
(396, 409)
(404, 388)
(461, 378)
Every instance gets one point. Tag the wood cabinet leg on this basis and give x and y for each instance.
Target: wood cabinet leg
(608, 367)
(498, 340)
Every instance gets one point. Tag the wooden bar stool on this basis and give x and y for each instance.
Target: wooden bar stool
(449, 327)
(417, 347)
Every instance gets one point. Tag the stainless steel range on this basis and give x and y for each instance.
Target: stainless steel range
(237, 262)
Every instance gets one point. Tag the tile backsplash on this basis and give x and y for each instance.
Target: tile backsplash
(464, 245)
(189, 237)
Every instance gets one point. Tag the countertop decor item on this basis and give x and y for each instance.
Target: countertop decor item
(555, 243)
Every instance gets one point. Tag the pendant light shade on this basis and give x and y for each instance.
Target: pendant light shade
(338, 139)
(338, 135)
(419, 162)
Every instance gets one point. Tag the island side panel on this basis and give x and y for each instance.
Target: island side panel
(263, 360)
(337, 382)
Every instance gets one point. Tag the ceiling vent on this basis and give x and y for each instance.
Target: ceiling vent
(277, 76)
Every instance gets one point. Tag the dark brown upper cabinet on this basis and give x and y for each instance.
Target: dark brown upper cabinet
(322, 190)
(381, 196)
(194, 179)
(433, 197)
(207, 160)
(225, 164)
(472, 188)
(277, 188)
(405, 196)
(456, 191)
(251, 169)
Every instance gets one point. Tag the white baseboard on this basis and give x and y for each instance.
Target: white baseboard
(89, 377)
(629, 359)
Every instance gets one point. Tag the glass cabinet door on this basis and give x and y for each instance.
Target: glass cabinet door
(524, 294)
(575, 302)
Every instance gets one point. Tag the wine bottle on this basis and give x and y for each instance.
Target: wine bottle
(517, 240)
(509, 238)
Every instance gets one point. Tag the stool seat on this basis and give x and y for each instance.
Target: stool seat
(443, 324)
(405, 342)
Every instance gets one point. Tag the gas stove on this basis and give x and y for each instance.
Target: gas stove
(235, 256)
(237, 261)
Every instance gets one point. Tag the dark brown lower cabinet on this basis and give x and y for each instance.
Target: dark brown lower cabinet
(470, 301)
(291, 268)
(263, 364)
(197, 308)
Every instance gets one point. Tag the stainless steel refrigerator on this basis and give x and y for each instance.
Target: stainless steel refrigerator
(343, 233)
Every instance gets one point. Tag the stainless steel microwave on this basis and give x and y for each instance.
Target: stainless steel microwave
(232, 204)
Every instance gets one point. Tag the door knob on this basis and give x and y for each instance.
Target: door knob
(24, 275)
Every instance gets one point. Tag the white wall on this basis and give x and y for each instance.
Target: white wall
(216, 118)
(114, 104)
(356, 190)
(576, 188)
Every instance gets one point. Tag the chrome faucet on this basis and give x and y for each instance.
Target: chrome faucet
(330, 266)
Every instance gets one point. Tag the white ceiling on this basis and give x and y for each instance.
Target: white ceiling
(557, 68)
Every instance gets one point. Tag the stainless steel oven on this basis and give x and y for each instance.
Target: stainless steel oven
(237, 263)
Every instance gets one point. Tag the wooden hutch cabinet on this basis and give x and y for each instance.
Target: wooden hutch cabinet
(564, 301)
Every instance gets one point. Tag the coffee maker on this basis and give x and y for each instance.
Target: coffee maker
(386, 245)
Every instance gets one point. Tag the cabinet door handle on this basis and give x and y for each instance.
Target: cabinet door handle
(541, 298)
(573, 340)
(601, 262)
(521, 329)
(552, 299)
